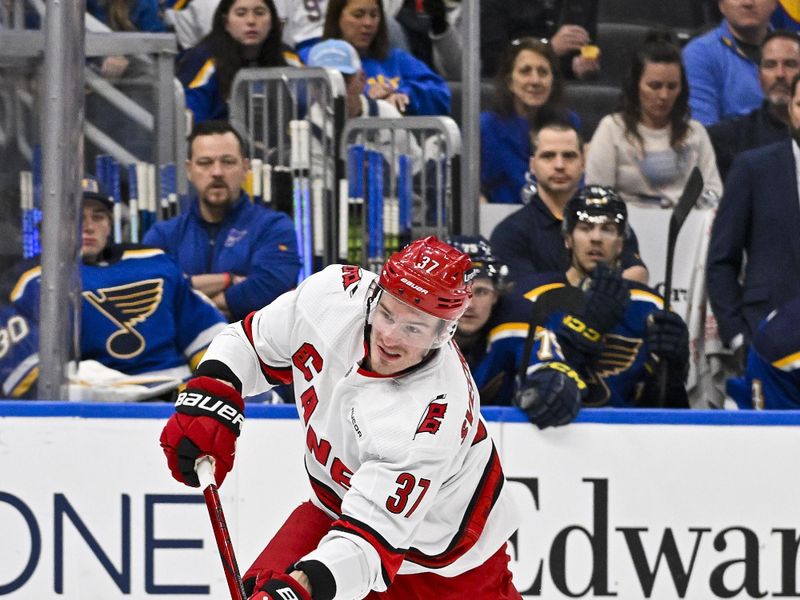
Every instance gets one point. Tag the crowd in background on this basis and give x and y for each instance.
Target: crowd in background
(725, 101)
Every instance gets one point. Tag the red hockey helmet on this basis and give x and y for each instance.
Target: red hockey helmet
(431, 276)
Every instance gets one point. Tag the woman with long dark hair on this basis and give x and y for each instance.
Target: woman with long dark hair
(245, 33)
(527, 80)
(392, 74)
(647, 149)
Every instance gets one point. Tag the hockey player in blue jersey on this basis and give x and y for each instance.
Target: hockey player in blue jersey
(599, 339)
(139, 315)
(773, 364)
(19, 344)
(489, 288)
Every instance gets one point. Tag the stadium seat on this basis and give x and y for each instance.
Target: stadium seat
(617, 43)
(457, 90)
(592, 102)
(675, 14)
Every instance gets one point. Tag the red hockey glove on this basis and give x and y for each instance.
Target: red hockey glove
(281, 587)
(208, 418)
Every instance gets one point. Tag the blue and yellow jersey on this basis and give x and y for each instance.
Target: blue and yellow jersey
(773, 364)
(616, 378)
(19, 361)
(197, 72)
(138, 312)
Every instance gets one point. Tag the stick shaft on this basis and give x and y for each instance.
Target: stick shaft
(220, 528)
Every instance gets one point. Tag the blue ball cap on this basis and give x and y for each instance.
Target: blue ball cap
(335, 54)
(92, 189)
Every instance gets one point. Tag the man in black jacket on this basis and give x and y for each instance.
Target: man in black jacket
(769, 123)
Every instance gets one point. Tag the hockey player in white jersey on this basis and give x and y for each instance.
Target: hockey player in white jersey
(408, 500)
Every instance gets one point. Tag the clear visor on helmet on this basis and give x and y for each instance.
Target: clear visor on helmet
(396, 322)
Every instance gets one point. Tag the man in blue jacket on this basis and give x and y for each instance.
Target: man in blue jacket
(722, 65)
(239, 254)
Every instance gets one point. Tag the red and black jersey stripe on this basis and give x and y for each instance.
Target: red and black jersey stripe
(274, 375)
(474, 520)
(481, 434)
(391, 558)
(325, 495)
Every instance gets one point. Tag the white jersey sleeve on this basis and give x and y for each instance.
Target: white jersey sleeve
(262, 349)
(302, 19)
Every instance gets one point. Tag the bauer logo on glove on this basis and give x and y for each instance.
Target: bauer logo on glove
(198, 404)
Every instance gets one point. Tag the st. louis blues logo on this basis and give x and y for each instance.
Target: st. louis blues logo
(127, 306)
(619, 354)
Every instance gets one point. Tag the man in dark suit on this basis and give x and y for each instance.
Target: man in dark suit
(758, 217)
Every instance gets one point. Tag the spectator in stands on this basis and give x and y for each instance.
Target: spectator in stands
(139, 315)
(773, 371)
(124, 15)
(786, 15)
(529, 240)
(648, 149)
(721, 65)
(757, 219)
(240, 255)
(779, 64)
(528, 80)
(604, 340)
(303, 23)
(433, 34)
(245, 33)
(191, 21)
(505, 20)
(339, 55)
(393, 74)
(495, 379)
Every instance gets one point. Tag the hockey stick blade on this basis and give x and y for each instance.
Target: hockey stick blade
(691, 192)
(567, 299)
(205, 473)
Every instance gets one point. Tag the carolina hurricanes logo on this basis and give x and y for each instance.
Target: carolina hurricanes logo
(432, 420)
(350, 275)
(127, 306)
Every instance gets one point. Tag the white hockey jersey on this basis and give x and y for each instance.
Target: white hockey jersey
(302, 20)
(403, 463)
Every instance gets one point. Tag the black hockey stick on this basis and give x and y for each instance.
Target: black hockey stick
(691, 192)
(564, 299)
(205, 473)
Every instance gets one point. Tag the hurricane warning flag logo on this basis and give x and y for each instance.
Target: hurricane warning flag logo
(126, 306)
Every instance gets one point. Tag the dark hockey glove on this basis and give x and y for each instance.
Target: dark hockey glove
(551, 394)
(581, 338)
(208, 418)
(607, 297)
(280, 587)
(667, 338)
